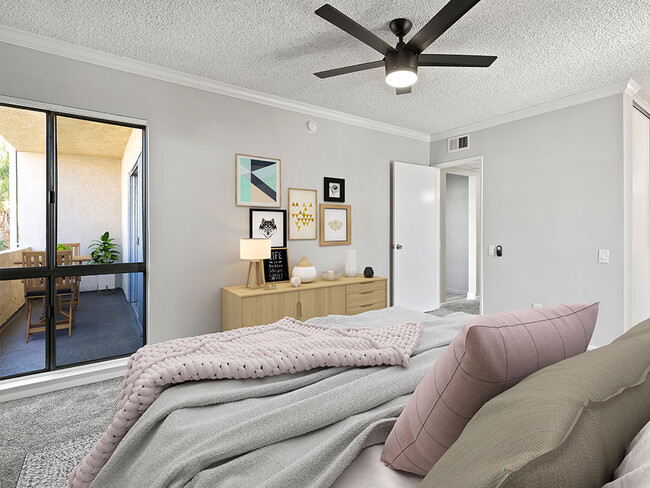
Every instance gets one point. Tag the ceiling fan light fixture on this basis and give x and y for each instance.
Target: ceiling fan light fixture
(402, 77)
(401, 68)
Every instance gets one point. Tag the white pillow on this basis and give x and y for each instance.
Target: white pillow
(634, 471)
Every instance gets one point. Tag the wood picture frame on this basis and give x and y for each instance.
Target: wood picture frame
(276, 269)
(258, 181)
(333, 189)
(303, 214)
(267, 223)
(335, 224)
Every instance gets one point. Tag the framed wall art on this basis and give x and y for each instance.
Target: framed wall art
(334, 189)
(302, 214)
(268, 224)
(277, 267)
(258, 181)
(335, 225)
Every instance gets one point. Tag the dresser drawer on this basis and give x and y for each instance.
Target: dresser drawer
(366, 298)
(366, 287)
(367, 307)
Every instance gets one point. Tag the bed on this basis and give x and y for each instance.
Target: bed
(302, 429)
(327, 426)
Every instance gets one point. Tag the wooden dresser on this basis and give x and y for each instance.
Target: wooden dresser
(243, 307)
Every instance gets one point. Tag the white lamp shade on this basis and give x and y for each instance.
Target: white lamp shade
(254, 249)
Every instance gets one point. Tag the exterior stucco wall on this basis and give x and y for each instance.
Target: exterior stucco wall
(89, 198)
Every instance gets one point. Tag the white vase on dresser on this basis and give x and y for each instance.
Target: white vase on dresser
(351, 263)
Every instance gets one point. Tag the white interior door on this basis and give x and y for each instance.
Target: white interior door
(415, 236)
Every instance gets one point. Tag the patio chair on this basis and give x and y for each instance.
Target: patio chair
(75, 247)
(35, 290)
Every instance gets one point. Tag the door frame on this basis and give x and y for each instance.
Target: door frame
(136, 217)
(459, 163)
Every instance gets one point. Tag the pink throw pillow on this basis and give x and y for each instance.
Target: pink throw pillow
(491, 354)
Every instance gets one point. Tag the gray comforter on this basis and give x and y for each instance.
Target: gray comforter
(298, 430)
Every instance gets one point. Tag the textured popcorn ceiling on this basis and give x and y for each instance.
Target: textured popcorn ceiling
(547, 49)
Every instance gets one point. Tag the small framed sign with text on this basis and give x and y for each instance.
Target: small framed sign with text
(277, 267)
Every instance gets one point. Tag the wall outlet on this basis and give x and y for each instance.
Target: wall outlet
(490, 250)
(536, 305)
(603, 256)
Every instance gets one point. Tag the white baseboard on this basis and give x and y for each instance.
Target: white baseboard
(591, 347)
(15, 388)
(471, 296)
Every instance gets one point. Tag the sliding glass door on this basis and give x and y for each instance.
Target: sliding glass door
(72, 246)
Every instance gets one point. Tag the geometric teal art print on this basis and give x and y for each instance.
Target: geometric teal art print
(258, 181)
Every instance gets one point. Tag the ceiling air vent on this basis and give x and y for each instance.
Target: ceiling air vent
(458, 143)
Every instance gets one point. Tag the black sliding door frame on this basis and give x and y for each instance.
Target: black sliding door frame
(50, 272)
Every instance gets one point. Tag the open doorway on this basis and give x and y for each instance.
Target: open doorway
(461, 235)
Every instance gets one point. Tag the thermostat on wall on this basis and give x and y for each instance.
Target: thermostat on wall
(311, 126)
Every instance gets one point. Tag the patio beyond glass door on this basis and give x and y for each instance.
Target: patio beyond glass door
(95, 222)
(81, 293)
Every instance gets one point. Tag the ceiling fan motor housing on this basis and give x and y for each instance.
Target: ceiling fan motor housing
(399, 60)
(400, 27)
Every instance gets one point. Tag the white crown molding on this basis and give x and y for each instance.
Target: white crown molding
(60, 48)
(628, 87)
(632, 88)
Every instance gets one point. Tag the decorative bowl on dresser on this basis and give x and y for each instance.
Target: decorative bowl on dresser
(243, 307)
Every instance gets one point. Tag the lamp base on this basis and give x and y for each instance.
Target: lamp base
(255, 269)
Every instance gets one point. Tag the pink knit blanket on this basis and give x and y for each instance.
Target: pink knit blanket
(287, 346)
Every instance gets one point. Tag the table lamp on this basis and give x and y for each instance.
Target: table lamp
(255, 250)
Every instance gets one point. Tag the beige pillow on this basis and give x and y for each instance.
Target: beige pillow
(565, 426)
(634, 471)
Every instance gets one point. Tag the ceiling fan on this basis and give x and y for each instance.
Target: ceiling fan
(402, 61)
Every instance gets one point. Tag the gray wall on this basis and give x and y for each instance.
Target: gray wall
(553, 195)
(195, 226)
(457, 232)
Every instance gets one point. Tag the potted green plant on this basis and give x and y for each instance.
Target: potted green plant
(104, 251)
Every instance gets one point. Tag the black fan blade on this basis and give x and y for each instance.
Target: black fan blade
(403, 91)
(455, 60)
(438, 25)
(350, 69)
(345, 23)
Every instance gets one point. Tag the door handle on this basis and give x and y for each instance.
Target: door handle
(398, 246)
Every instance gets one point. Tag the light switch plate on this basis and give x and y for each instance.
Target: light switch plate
(490, 250)
(603, 256)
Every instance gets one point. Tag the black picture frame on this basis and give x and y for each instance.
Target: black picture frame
(332, 194)
(279, 216)
(277, 267)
